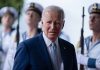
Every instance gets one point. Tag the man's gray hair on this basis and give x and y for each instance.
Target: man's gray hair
(56, 9)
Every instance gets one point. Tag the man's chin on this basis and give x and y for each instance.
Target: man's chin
(53, 34)
(52, 37)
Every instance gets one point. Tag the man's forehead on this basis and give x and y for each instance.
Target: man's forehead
(50, 14)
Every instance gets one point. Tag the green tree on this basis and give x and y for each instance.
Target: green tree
(17, 4)
(14, 3)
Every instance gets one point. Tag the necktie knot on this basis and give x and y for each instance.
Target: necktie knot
(53, 45)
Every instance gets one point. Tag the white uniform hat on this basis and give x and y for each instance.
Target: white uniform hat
(35, 7)
(9, 9)
(94, 8)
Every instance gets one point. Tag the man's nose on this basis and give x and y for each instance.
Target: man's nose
(92, 19)
(30, 15)
(52, 25)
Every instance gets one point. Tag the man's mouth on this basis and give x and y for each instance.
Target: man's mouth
(52, 32)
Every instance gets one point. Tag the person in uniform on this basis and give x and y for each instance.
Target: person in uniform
(33, 13)
(91, 58)
(8, 16)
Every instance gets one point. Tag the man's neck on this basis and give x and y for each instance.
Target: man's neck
(7, 29)
(96, 36)
(32, 32)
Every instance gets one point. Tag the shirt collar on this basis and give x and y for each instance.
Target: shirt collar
(48, 41)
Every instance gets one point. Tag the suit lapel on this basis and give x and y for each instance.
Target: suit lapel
(44, 52)
(62, 51)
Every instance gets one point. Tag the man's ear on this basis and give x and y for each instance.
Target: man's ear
(42, 25)
(42, 22)
(63, 24)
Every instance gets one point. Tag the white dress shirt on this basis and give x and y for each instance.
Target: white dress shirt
(48, 43)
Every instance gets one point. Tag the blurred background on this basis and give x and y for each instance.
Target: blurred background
(73, 15)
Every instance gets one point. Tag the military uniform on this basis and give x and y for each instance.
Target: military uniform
(6, 38)
(11, 52)
(92, 50)
(91, 57)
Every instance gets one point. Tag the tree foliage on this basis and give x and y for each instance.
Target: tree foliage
(17, 4)
(14, 3)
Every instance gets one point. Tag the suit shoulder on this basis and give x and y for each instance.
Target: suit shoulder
(30, 42)
(66, 43)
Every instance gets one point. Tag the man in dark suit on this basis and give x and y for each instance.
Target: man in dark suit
(47, 51)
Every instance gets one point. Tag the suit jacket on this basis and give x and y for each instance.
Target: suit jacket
(32, 54)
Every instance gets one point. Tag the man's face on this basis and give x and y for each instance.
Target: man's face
(52, 24)
(94, 22)
(7, 20)
(32, 18)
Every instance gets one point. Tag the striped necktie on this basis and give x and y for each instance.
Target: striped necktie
(54, 56)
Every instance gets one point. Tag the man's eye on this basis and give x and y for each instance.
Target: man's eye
(57, 22)
(49, 22)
